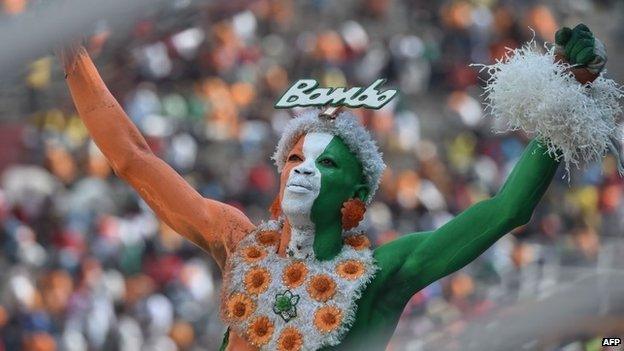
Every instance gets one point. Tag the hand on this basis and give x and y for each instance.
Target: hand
(67, 53)
(581, 49)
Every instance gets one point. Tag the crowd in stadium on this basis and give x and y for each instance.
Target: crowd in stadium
(86, 265)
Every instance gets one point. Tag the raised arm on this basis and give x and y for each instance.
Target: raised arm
(523, 92)
(432, 255)
(212, 225)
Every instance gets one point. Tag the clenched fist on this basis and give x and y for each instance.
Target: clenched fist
(582, 50)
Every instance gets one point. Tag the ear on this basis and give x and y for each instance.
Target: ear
(361, 192)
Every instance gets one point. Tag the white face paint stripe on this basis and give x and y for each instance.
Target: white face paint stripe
(313, 146)
(296, 204)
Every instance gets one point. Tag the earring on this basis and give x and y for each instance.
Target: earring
(352, 213)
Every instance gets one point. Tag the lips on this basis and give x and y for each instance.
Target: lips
(296, 188)
(299, 187)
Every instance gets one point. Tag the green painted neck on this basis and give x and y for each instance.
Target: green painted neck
(327, 240)
(341, 180)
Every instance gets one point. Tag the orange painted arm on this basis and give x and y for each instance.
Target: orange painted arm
(212, 225)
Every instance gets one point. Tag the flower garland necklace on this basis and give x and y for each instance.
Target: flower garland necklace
(290, 304)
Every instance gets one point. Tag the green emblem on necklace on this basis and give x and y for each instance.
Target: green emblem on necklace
(286, 305)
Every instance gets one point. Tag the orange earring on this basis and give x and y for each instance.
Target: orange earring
(352, 213)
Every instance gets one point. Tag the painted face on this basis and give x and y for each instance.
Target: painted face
(320, 174)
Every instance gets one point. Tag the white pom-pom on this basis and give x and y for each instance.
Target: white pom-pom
(530, 91)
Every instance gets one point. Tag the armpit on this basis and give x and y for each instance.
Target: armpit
(232, 227)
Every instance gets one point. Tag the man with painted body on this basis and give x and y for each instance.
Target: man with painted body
(321, 170)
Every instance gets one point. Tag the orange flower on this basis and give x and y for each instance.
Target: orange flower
(352, 213)
(239, 307)
(290, 340)
(350, 269)
(327, 318)
(257, 280)
(253, 253)
(321, 287)
(358, 242)
(268, 237)
(260, 331)
(294, 275)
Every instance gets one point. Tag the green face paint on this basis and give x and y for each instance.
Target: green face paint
(341, 180)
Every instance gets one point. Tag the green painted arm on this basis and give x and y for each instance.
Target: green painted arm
(430, 256)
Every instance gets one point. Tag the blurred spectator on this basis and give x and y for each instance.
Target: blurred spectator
(86, 264)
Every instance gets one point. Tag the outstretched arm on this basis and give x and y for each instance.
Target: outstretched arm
(417, 260)
(426, 257)
(212, 225)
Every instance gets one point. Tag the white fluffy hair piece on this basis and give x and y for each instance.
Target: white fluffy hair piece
(530, 91)
(352, 133)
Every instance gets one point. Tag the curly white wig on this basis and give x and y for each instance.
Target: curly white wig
(345, 126)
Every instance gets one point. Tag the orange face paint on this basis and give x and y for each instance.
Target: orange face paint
(296, 150)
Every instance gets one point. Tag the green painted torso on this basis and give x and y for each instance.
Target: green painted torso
(377, 315)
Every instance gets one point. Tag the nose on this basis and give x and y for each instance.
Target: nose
(304, 168)
(303, 171)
